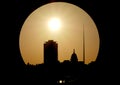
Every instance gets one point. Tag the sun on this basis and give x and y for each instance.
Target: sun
(54, 24)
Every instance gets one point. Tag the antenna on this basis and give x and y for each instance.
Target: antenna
(83, 45)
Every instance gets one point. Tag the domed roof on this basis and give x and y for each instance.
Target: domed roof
(74, 57)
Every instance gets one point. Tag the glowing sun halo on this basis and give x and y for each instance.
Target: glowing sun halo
(63, 23)
(54, 24)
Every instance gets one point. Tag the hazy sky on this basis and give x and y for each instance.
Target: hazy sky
(36, 31)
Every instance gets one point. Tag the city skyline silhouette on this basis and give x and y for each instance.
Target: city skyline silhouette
(54, 72)
(103, 70)
(51, 54)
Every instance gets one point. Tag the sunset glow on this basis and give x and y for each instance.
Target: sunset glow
(63, 23)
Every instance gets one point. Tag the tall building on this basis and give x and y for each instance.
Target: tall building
(50, 52)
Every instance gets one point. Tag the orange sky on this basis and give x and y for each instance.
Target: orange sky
(35, 32)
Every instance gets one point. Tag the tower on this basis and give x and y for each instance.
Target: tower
(74, 58)
(50, 52)
(83, 45)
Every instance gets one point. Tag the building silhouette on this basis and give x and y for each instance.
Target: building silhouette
(74, 58)
(50, 52)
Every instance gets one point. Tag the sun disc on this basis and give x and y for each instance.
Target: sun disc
(54, 24)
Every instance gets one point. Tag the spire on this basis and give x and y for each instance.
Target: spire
(73, 50)
(83, 45)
